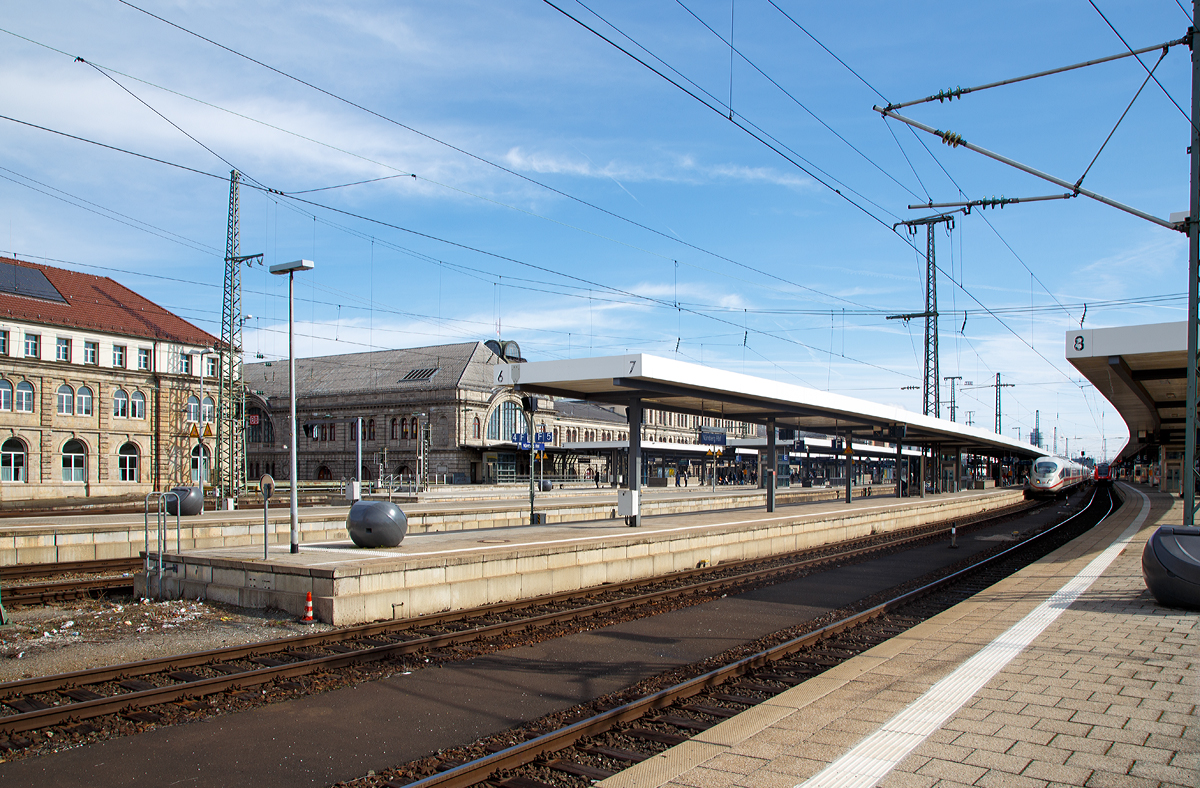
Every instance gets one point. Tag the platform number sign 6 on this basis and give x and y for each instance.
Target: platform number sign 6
(1079, 341)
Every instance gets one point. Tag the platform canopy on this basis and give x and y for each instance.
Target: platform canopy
(681, 387)
(1142, 371)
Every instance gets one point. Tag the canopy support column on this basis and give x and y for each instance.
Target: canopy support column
(772, 465)
(634, 412)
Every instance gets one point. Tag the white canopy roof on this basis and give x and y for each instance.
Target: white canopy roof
(1142, 371)
(678, 386)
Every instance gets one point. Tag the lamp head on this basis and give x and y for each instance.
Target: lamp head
(295, 265)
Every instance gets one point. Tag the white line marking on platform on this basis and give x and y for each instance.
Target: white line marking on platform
(870, 760)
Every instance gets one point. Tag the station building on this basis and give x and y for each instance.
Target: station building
(442, 395)
(101, 390)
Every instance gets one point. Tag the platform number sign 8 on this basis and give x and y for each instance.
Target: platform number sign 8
(1079, 341)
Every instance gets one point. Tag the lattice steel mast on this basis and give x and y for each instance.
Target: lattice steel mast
(930, 389)
(231, 394)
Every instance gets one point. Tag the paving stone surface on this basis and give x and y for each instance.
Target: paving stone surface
(1106, 695)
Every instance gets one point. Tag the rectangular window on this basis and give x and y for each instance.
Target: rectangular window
(127, 467)
(91, 353)
(4, 342)
(119, 356)
(33, 346)
(23, 402)
(210, 366)
(62, 350)
(144, 359)
(185, 363)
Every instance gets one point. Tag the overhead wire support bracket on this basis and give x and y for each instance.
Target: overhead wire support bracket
(990, 202)
(958, 93)
(957, 140)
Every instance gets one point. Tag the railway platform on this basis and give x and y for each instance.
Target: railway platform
(1066, 673)
(451, 570)
(87, 536)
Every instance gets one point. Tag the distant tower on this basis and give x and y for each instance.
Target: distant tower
(231, 396)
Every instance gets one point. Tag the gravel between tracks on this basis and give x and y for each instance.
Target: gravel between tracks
(72, 636)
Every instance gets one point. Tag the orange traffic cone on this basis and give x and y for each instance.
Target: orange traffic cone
(308, 616)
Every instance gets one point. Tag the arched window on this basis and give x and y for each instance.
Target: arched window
(475, 426)
(505, 421)
(556, 436)
(74, 462)
(120, 404)
(12, 461)
(24, 399)
(259, 428)
(324, 474)
(127, 463)
(395, 429)
(83, 401)
(6, 392)
(371, 430)
(404, 429)
(137, 405)
(66, 400)
(193, 409)
(201, 462)
(208, 410)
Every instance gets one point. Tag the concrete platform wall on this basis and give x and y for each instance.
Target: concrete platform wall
(51, 543)
(389, 589)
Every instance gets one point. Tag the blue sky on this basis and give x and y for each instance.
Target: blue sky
(624, 214)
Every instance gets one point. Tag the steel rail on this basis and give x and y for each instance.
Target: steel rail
(40, 593)
(56, 715)
(21, 571)
(229, 653)
(474, 772)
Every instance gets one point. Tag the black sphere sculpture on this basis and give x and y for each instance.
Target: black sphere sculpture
(376, 524)
(191, 501)
(1171, 566)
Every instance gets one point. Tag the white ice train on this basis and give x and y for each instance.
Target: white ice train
(1055, 476)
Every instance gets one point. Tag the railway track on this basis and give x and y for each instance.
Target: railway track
(604, 743)
(65, 590)
(68, 700)
(74, 588)
(27, 571)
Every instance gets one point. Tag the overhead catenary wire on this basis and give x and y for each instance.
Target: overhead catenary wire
(716, 109)
(471, 155)
(739, 84)
(795, 100)
(1191, 121)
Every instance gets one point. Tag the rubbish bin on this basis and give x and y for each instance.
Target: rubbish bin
(376, 524)
(191, 501)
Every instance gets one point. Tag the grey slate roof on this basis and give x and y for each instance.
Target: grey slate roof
(588, 411)
(467, 365)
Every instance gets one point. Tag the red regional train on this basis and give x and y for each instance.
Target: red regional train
(1104, 473)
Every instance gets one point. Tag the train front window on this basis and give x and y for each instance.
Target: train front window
(1044, 467)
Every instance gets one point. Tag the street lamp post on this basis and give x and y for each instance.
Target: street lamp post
(290, 269)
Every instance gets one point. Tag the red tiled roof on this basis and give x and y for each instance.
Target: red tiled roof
(99, 303)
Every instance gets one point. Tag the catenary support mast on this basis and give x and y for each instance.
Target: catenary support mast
(1193, 228)
(231, 393)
